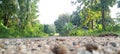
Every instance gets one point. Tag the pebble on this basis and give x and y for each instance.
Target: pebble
(33, 49)
(113, 44)
(74, 43)
(39, 45)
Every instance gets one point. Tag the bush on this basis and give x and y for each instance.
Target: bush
(77, 32)
(95, 32)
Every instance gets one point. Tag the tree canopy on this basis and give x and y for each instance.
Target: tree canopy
(91, 16)
(18, 19)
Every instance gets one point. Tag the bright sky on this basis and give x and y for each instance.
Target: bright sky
(49, 10)
(114, 10)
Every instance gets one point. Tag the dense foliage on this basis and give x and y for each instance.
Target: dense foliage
(18, 19)
(49, 29)
(90, 18)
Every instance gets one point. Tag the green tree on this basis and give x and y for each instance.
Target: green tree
(18, 19)
(98, 5)
(49, 29)
(61, 22)
(75, 19)
(68, 27)
(105, 7)
(8, 9)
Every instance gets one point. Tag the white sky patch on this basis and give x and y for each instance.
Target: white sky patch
(0, 2)
(114, 11)
(49, 10)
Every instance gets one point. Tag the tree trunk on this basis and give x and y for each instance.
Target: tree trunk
(103, 19)
(5, 19)
(92, 24)
(103, 14)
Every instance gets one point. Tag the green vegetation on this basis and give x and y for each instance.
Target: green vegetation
(49, 29)
(92, 17)
(18, 18)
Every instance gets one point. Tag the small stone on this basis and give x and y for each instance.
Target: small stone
(90, 47)
(119, 52)
(74, 43)
(95, 52)
(87, 52)
(60, 39)
(33, 49)
(2, 51)
(1, 46)
(113, 44)
(23, 46)
(72, 49)
(84, 52)
(48, 43)
(17, 44)
(23, 50)
(59, 49)
(6, 42)
(39, 46)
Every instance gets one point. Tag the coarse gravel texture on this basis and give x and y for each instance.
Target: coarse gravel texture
(61, 45)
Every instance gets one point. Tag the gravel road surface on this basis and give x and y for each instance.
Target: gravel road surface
(61, 45)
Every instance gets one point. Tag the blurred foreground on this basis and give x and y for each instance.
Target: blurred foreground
(61, 45)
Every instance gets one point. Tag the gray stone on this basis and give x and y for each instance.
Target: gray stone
(113, 44)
